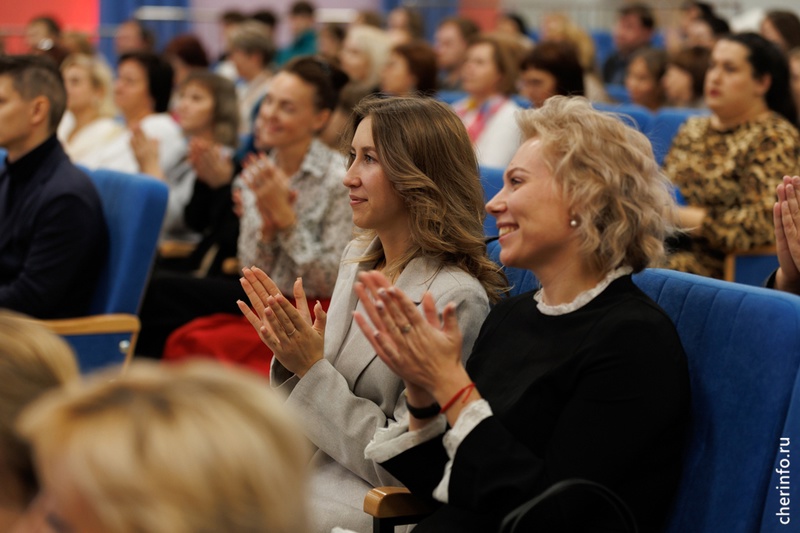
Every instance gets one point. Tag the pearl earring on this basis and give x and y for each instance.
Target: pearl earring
(573, 223)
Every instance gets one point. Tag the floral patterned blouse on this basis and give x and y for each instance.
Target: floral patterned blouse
(313, 247)
(733, 174)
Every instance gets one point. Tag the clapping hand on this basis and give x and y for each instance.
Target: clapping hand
(274, 199)
(287, 330)
(212, 162)
(786, 217)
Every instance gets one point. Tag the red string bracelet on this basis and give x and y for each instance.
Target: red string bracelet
(458, 395)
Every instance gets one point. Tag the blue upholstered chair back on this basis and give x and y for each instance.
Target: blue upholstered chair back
(633, 115)
(134, 207)
(743, 346)
(492, 182)
(665, 125)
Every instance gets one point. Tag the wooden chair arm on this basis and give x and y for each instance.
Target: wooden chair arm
(729, 265)
(98, 325)
(391, 502)
(176, 249)
(231, 266)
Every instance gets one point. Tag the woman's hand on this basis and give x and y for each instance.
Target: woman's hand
(786, 217)
(288, 331)
(212, 162)
(146, 152)
(425, 351)
(270, 186)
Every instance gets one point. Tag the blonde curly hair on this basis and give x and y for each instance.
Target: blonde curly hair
(610, 179)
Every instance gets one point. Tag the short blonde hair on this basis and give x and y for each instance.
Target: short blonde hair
(101, 77)
(376, 44)
(32, 361)
(185, 449)
(610, 179)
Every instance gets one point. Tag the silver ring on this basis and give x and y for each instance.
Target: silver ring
(292, 333)
(405, 329)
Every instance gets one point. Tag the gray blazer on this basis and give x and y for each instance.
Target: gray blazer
(343, 399)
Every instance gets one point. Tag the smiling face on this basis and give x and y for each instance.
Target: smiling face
(375, 203)
(730, 88)
(288, 116)
(532, 213)
(195, 109)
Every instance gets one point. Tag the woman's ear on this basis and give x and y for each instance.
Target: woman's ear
(763, 84)
(320, 119)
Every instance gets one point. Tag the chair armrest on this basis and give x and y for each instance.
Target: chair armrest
(98, 325)
(391, 502)
(176, 249)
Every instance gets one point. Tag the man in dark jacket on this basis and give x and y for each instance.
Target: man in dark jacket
(53, 235)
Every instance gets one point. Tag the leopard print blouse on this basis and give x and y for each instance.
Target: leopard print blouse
(733, 174)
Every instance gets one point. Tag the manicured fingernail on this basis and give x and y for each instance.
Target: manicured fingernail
(379, 305)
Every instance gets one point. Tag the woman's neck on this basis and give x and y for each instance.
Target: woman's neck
(731, 121)
(561, 285)
(481, 98)
(136, 116)
(290, 158)
(395, 244)
(83, 117)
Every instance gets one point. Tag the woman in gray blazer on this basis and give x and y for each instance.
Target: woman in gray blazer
(417, 202)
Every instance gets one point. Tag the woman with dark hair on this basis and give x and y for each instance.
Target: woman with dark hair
(416, 200)
(549, 69)
(185, 53)
(411, 68)
(643, 79)
(782, 28)
(729, 164)
(293, 222)
(142, 92)
(685, 77)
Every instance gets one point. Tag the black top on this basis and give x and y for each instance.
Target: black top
(601, 393)
(53, 235)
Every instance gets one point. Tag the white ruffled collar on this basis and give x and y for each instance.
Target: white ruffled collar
(583, 298)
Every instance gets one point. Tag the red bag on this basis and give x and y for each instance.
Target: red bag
(226, 338)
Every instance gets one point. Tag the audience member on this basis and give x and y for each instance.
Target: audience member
(330, 39)
(404, 25)
(53, 235)
(416, 198)
(781, 28)
(229, 21)
(489, 77)
(142, 93)
(42, 33)
(450, 43)
(251, 50)
(78, 42)
(368, 17)
(585, 378)
(644, 79)
(304, 32)
(266, 17)
(549, 69)
(557, 27)
(182, 449)
(786, 219)
(690, 10)
(364, 54)
(633, 30)
(728, 165)
(513, 25)
(411, 69)
(88, 126)
(32, 361)
(205, 111)
(685, 77)
(293, 223)
(132, 36)
(185, 54)
(794, 72)
(350, 96)
(706, 31)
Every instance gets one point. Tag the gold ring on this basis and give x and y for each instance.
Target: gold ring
(405, 329)
(292, 333)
